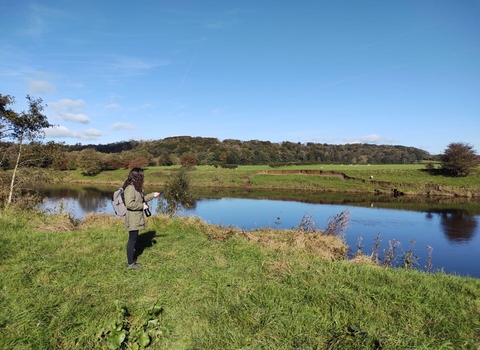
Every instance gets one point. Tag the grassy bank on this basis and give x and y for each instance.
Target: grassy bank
(64, 285)
(409, 179)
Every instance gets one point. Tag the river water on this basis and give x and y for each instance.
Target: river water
(450, 229)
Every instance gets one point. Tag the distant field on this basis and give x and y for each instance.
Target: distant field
(408, 178)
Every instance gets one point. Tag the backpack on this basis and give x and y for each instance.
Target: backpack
(118, 202)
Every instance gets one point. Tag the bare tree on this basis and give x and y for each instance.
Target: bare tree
(20, 127)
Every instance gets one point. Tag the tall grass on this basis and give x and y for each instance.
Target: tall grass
(63, 281)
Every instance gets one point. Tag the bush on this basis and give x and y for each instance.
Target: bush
(459, 159)
(229, 166)
(177, 193)
(188, 160)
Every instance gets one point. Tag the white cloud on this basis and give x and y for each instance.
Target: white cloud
(76, 118)
(112, 106)
(68, 104)
(60, 132)
(40, 87)
(372, 138)
(122, 126)
(70, 110)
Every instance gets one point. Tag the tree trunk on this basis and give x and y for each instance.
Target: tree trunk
(12, 184)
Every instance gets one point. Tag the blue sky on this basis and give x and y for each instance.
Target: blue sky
(382, 72)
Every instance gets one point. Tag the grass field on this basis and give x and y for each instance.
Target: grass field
(64, 285)
(406, 178)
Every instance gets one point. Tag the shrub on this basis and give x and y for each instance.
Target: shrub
(229, 166)
(177, 193)
(459, 159)
(188, 160)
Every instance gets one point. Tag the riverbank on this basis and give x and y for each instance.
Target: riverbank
(65, 285)
(395, 180)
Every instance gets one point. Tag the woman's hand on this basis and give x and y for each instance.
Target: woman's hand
(145, 206)
(156, 194)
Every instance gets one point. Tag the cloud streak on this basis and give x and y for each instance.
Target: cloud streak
(69, 110)
(60, 132)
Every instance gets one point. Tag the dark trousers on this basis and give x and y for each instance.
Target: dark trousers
(132, 239)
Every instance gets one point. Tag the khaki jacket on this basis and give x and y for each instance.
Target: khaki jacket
(134, 219)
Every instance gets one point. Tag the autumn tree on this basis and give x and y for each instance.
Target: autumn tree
(20, 127)
(459, 159)
(188, 160)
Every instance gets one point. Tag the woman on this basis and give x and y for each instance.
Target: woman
(136, 203)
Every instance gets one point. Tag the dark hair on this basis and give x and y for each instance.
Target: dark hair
(135, 178)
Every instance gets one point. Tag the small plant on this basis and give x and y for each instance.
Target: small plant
(429, 265)
(336, 224)
(409, 259)
(359, 246)
(307, 225)
(121, 333)
(429, 166)
(390, 255)
(177, 193)
(376, 249)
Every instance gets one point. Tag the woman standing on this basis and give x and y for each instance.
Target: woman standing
(136, 203)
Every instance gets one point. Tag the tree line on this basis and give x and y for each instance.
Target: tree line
(211, 151)
(22, 146)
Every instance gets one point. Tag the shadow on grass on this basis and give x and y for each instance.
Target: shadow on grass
(145, 240)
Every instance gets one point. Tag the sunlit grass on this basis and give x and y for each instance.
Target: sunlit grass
(407, 178)
(219, 287)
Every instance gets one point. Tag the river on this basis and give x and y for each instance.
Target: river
(449, 227)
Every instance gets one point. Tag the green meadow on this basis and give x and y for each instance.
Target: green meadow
(410, 179)
(64, 285)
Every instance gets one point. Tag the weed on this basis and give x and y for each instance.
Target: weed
(429, 265)
(376, 249)
(359, 246)
(336, 224)
(307, 225)
(125, 332)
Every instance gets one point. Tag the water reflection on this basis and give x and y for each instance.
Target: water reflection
(458, 225)
(89, 199)
(449, 226)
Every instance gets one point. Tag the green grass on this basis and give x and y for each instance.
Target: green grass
(219, 288)
(407, 178)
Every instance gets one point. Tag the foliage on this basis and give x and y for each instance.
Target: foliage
(140, 162)
(229, 166)
(459, 159)
(177, 193)
(429, 166)
(255, 152)
(21, 127)
(188, 160)
(124, 331)
(89, 162)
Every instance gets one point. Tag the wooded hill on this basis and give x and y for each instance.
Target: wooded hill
(208, 150)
